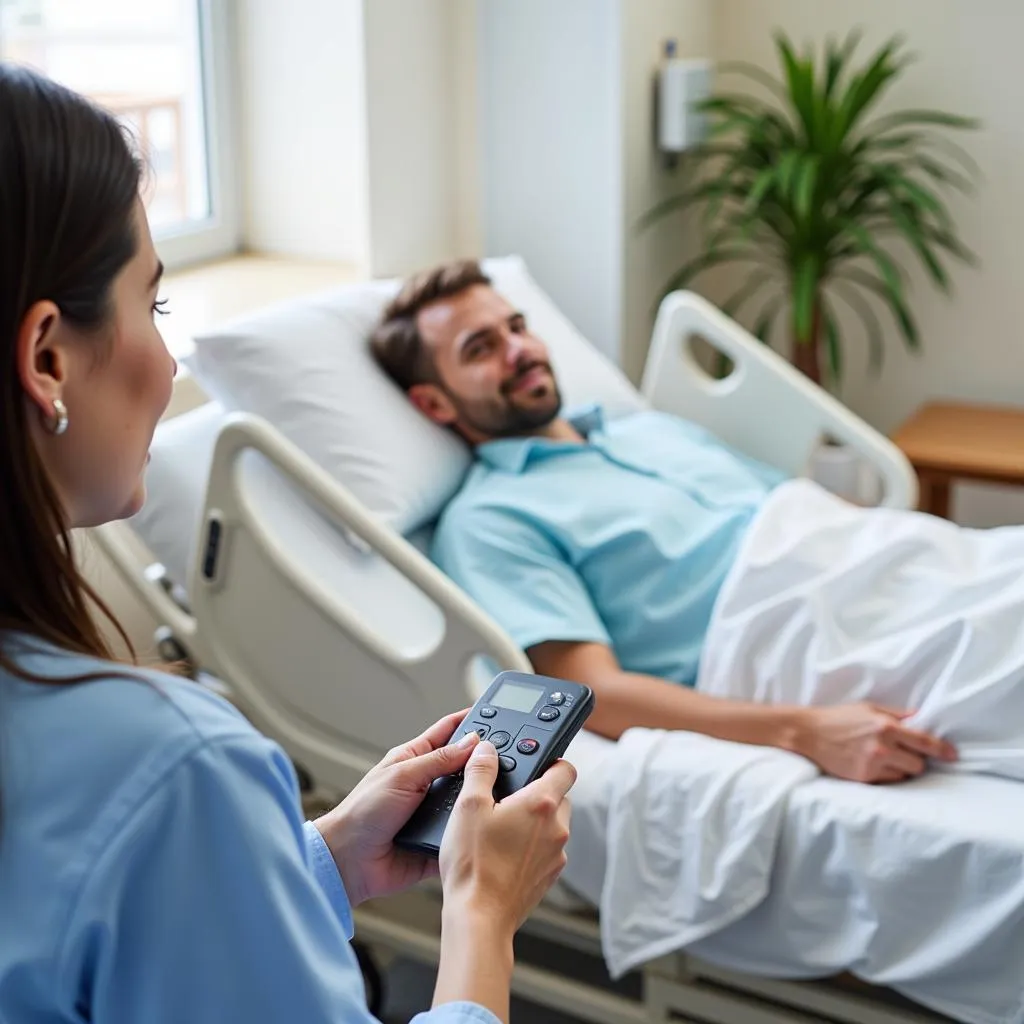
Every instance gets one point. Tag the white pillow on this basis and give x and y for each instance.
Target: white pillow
(306, 367)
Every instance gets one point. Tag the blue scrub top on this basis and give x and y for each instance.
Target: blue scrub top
(154, 862)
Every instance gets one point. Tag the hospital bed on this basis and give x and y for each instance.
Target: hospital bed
(292, 572)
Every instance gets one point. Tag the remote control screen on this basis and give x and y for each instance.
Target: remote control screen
(517, 696)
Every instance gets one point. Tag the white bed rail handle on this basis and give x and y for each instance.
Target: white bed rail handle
(243, 431)
(285, 628)
(765, 406)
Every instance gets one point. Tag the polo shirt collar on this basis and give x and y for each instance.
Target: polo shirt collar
(513, 454)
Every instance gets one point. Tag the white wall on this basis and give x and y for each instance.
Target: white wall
(353, 115)
(568, 155)
(973, 343)
(549, 136)
(466, 69)
(650, 256)
(411, 74)
(303, 115)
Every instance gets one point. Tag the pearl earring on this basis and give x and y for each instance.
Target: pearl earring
(59, 423)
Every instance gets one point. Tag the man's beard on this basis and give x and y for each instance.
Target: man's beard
(504, 418)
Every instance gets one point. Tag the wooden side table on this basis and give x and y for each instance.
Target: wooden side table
(950, 441)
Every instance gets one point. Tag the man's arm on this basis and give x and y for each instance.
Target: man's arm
(862, 742)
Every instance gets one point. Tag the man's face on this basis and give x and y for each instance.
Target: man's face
(493, 376)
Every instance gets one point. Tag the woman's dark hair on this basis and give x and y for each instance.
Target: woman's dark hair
(69, 181)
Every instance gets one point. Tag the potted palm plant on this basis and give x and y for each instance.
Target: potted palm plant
(804, 190)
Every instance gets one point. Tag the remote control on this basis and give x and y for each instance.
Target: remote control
(530, 720)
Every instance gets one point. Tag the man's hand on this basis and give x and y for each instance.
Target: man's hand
(867, 743)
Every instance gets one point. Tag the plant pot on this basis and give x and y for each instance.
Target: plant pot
(840, 469)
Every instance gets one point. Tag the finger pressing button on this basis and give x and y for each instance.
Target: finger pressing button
(500, 739)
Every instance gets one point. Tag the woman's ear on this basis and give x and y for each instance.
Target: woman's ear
(41, 359)
(433, 403)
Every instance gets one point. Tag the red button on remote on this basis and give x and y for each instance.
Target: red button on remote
(527, 746)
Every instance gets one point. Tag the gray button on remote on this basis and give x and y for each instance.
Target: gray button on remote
(500, 739)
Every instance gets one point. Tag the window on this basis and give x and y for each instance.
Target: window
(161, 67)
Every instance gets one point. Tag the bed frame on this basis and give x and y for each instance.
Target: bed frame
(243, 574)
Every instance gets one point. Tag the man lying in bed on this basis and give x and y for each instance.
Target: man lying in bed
(602, 547)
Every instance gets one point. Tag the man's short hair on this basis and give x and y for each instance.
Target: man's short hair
(396, 342)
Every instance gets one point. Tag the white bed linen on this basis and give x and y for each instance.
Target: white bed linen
(829, 603)
(736, 854)
(917, 887)
(924, 896)
(693, 827)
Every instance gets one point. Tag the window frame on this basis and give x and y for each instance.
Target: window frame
(219, 234)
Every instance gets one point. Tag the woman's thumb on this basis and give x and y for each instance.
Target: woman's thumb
(481, 769)
(421, 771)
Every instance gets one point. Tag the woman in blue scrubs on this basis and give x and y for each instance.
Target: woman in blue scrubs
(154, 862)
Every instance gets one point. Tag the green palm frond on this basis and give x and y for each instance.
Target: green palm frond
(869, 318)
(707, 260)
(767, 317)
(836, 59)
(892, 299)
(757, 280)
(802, 184)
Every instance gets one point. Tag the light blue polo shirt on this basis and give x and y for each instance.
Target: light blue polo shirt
(624, 540)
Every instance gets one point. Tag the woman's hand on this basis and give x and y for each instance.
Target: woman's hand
(501, 858)
(497, 861)
(360, 831)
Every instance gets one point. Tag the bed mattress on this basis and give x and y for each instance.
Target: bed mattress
(917, 887)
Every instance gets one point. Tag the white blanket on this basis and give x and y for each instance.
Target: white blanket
(693, 826)
(830, 603)
(918, 887)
